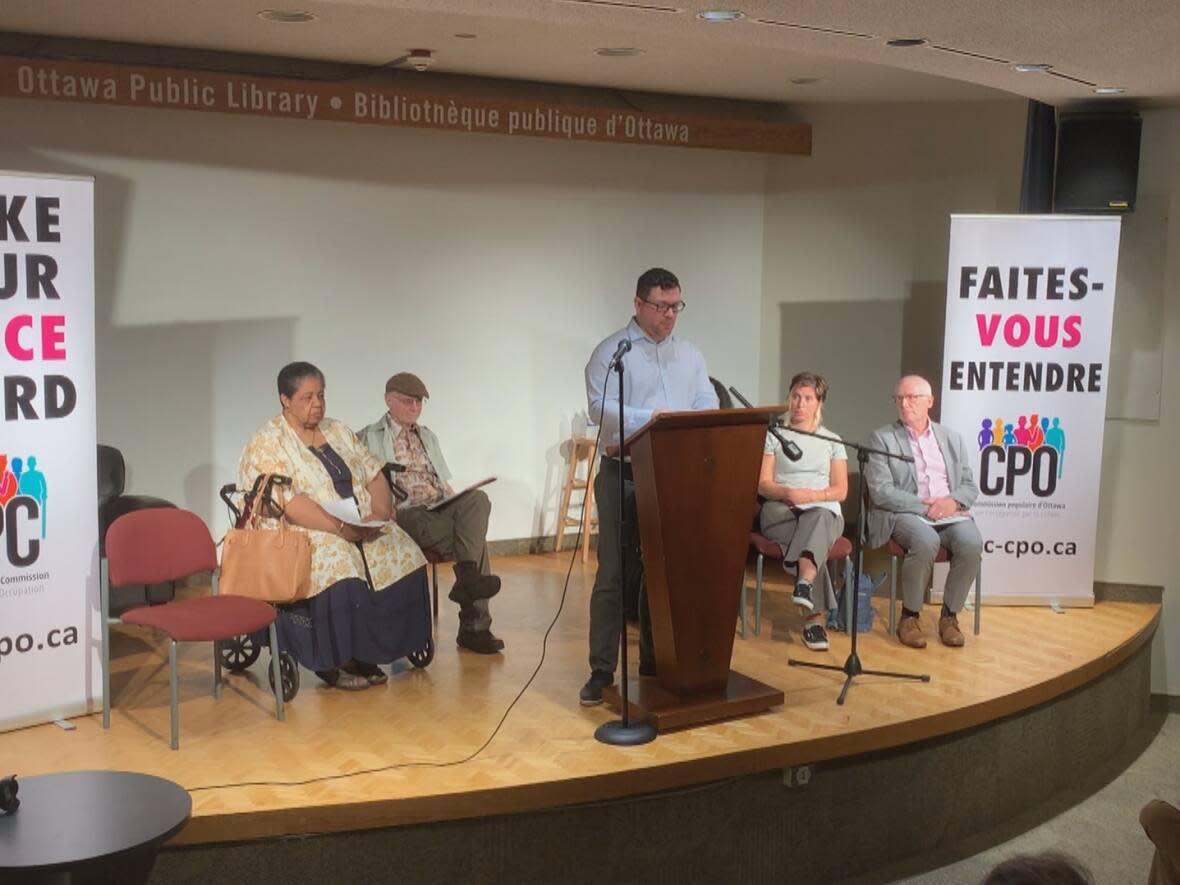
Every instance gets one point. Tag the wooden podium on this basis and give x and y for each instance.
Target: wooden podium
(696, 481)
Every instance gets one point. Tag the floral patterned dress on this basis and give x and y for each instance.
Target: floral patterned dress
(344, 618)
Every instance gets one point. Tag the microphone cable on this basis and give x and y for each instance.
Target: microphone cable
(425, 763)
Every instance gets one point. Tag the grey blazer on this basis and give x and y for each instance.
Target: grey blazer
(893, 485)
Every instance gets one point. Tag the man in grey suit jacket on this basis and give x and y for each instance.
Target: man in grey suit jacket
(924, 505)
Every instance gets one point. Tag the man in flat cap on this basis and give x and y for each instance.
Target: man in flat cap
(457, 531)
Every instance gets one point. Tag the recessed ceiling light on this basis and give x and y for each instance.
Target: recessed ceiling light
(465, 36)
(618, 51)
(806, 81)
(283, 17)
(903, 42)
(1031, 68)
(720, 15)
(1109, 90)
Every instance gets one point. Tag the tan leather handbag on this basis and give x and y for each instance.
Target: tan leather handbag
(273, 565)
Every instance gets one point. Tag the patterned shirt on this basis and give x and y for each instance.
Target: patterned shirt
(420, 480)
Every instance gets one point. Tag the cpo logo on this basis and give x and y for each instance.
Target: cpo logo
(23, 495)
(1032, 450)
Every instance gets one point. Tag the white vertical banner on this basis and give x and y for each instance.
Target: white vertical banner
(1029, 308)
(49, 629)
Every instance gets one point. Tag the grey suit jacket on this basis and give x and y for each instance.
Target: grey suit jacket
(893, 485)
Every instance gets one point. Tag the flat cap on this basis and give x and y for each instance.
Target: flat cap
(407, 384)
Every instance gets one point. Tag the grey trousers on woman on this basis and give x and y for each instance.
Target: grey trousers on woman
(811, 531)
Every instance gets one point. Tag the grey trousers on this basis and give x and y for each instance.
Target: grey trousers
(459, 532)
(812, 531)
(922, 542)
(606, 612)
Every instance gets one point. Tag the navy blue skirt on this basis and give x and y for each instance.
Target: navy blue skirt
(351, 622)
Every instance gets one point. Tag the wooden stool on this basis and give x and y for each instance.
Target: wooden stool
(581, 447)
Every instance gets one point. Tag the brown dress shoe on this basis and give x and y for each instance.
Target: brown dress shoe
(909, 632)
(949, 632)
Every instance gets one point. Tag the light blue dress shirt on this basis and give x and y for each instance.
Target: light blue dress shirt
(669, 376)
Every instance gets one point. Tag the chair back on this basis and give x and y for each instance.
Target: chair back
(724, 400)
(850, 506)
(112, 473)
(158, 545)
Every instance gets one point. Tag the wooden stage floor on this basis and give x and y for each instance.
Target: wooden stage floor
(253, 777)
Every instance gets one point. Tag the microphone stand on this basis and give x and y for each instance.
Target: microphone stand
(623, 732)
(852, 666)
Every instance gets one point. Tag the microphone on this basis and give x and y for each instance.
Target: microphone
(624, 346)
(790, 449)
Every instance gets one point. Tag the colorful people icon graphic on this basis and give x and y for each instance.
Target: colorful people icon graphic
(985, 433)
(998, 432)
(32, 483)
(8, 485)
(1022, 431)
(1036, 436)
(1055, 437)
(1009, 436)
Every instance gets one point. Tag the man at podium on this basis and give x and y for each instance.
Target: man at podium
(662, 373)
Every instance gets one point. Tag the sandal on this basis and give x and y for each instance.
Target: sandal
(374, 674)
(351, 682)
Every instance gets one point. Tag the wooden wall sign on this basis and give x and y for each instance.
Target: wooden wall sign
(352, 102)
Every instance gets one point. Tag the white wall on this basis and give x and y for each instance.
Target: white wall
(490, 266)
(1140, 483)
(856, 244)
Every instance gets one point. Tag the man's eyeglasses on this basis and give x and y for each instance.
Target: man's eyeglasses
(664, 309)
(909, 397)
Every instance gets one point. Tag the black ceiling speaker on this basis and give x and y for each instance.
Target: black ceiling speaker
(1097, 163)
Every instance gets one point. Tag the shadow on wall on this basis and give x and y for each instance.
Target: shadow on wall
(862, 348)
(923, 326)
(189, 389)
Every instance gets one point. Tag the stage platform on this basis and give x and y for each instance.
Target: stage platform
(395, 754)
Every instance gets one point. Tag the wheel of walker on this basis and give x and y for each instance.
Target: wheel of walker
(423, 658)
(290, 673)
(239, 653)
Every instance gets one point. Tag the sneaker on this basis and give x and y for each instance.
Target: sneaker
(591, 693)
(815, 638)
(802, 596)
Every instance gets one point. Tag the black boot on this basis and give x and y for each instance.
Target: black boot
(471, 585)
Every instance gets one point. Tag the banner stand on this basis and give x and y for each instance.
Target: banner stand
(1029, 310)
(49, 636)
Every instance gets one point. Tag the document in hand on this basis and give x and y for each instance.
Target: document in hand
(345, 509)
(459, 494)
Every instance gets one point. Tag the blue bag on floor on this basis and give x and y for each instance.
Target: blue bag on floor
(864, 611)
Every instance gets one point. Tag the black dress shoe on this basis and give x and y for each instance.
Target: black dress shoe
(647, 668)
(479, 641)
(591, 693)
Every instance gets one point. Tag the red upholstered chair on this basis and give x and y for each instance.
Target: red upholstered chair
(897, 555)
(162, 545)
(841, 550)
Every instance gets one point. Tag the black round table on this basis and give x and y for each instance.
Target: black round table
(90, 826)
